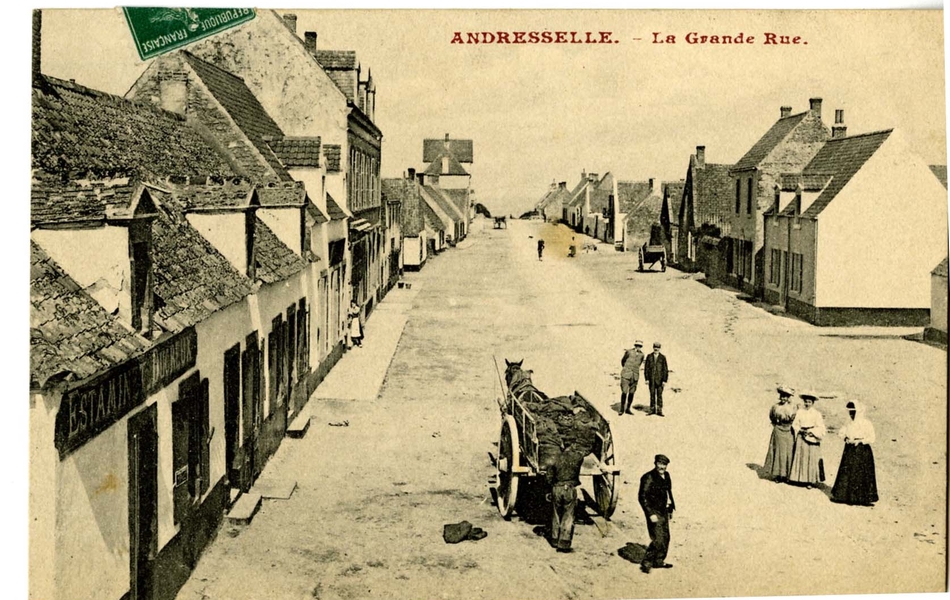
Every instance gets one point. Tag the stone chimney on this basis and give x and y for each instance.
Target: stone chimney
(562, 185)
(290, 20)
(370, 96)
(445, 144)
(651, 184)
(37, 39)
(814, 105)
(700, 156)
(592, 177)
(310, 41)
(785, 111)
(412, 174)
(839, 130)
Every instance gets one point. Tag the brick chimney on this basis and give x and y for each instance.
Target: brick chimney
(562, 185)
(290, 20)
(785, 111)
(839, 130)
(814, 105)
(37, 38)
(651, 184)
(445, 144)
(412, 174)
(310, 41)
(700, 156)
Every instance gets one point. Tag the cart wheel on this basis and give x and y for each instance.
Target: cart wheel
(508, 458)
(605, 486)
(640, 260)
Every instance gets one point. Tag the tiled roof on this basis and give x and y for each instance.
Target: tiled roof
(296, 151)
(192, 279)
(236, 193)
(772, 138)
(315, 214)
(941, 269)
(243, 107)
(332, 152)
(641, 219)
(460, 149)
(713, 195)
(673, 191)
(578, 195)
(336, 59)
(405, 191)
(599, 200)
(334, 210)
(631, 194)
(345, 81)
(459, 199)
(842, 157)
(437, 204)
(275, 261)
(454, 166)
(69, 331)
(80, 132)
(547, 197)
(432, 220)
(940, 171)
(813, 182)
(282, 194)
(447, 206)
(52, 201)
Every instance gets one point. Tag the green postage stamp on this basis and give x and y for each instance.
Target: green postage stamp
(157, 30)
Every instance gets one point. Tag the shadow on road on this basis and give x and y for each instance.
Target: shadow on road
(759, 470)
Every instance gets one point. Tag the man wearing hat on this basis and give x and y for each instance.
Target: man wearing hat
(630, 375)
(655, 489)
(656, 373)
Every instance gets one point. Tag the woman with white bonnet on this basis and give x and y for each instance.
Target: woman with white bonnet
(856, 482)
(809, 429)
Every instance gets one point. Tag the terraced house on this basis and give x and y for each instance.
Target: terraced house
(180, 317)
(786, 147)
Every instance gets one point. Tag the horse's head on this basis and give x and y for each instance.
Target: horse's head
(511, 370)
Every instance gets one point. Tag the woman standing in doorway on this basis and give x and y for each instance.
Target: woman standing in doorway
(356, 327)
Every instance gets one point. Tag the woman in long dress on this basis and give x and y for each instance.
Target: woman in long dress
(356, 328)
(778, 459)
(856, 482)
(809, 429)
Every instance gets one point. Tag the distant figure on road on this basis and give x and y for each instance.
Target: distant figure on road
(778, 460)
(656, 373)
(809, 429)
(656, 488)
(540, 248)
(572, 249)
(631, 363)
(856, 481)
(356, 327)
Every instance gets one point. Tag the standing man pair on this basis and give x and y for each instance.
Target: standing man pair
(655, 371)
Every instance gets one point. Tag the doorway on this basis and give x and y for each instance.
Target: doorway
(232, 412)
(143, 502)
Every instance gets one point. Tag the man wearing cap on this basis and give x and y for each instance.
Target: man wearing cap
(655, 488)
(656, 373)
(564, 477)
(630, 375)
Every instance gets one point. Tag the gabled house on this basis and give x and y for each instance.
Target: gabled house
(448, 212)
(629, 195)
(642, 206)
(405, 190)
(708, 201)
(577, 206)
(444, 161)
(786, 147)
(669, 215)
(833, 235)
(551, 205)
(597, 219)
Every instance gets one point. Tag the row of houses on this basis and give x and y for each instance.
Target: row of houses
(195, 246)
(834, 228)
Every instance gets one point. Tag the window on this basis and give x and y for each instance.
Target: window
(748, 195)
(275, 364)
(738, 195)
(303, 338)
(796, 272)
(292, 342)
(190, 445)
(775, 266)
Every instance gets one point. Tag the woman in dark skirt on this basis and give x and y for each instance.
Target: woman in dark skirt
(856, 482)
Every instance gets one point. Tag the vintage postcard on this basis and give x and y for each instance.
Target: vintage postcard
(487, 304)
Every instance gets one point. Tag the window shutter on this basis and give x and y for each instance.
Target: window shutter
(205, 428)
(181, 497)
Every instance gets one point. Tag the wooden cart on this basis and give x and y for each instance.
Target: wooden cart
(653, 251)
(518, 457)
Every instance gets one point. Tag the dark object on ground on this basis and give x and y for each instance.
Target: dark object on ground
(633, 552)
(453, 533)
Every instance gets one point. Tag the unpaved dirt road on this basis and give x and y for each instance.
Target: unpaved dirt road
(366, 520)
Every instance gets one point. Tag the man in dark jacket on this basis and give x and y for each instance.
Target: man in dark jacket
(655, 489)
(564, 477)
(656, 373)
(630, 364)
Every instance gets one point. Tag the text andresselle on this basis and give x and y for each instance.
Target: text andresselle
(533, 37)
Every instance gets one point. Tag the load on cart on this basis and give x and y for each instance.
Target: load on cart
(534, 429)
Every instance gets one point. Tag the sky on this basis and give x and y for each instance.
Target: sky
(539, 113)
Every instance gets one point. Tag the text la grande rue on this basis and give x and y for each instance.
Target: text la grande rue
(694, 37)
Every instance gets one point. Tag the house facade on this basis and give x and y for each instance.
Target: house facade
(708, 202)
(937, 330)
(786, 147)
(830, 238)
(405, 190)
